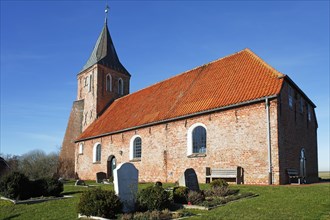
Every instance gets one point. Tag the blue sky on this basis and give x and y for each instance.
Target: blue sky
(44, 44)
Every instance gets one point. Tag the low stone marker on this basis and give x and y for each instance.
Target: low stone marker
(189, 179)
(100, 176)
(80, 183)
(62, 180)
(125, 182)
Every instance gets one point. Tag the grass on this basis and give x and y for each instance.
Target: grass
(274, 202)
(324, 174)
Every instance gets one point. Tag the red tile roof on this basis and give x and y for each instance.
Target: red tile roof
(234, 79)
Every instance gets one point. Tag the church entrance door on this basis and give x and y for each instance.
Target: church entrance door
(111, 165)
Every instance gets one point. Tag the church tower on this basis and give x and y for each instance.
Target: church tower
(102, 80)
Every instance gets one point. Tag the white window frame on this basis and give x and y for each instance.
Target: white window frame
(81, 148)
(120, 86)
(95, 152)
(190, 137)
(108, 86)
(131, 147)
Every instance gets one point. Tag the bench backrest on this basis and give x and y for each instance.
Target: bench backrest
(292, 172)
(224, 172)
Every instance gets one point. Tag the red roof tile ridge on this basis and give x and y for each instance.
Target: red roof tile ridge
(190, 97)
(187, 71)
(278, 73)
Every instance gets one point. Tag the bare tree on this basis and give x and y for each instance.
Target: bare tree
(36, 164)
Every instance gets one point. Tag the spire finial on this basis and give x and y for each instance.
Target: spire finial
(106, 13)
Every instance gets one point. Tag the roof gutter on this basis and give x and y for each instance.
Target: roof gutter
(181, 117)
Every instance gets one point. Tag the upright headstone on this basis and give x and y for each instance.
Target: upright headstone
(126, 185)
(100, 176)
(189, 179)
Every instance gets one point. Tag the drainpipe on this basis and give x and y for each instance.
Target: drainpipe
(270, 181)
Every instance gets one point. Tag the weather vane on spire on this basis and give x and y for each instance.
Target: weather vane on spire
(106, 12)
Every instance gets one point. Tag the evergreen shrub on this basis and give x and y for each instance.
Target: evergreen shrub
(15, 185)
(218, 183)
(101, 203)
(195, 197)
(54, 187)
(180, 194)
(152, 198)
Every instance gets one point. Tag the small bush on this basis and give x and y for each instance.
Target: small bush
(15, 185)
(208, 193)
(196, 198)
(98, 202)
(218, 183)
(54, 187)
(220, 191)
(153, 198)
(180, 194)
(38, 188)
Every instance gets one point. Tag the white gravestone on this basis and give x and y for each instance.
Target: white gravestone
(126, 185)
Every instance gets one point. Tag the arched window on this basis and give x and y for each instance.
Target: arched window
(135, 147)
(303, 164)
(120, 86)
(109, 83)
(196, 139)
(97, 153)
(81, 148)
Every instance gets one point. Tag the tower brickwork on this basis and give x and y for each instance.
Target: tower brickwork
(102, 80)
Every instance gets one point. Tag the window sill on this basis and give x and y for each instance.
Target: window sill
(197, 155)
(135, 160)
(97, 162)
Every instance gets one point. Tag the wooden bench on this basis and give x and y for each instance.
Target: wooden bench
(293, 174)
(217, 173)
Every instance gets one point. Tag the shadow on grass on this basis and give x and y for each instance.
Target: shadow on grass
(71, 193)
(324, 180)
(11, 217)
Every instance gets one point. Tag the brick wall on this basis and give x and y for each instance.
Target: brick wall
(92, 88)
(87, 85)
(235, 137)
(296, 131)
(73, 130)
(104, 96)
(92, 98)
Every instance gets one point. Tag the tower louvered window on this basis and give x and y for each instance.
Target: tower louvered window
(108, 83)
(120, 87)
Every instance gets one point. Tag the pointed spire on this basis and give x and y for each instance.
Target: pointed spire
(104, 51)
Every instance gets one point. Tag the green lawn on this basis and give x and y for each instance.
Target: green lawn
(273, 202)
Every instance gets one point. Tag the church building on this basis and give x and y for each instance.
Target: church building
(236, 112)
